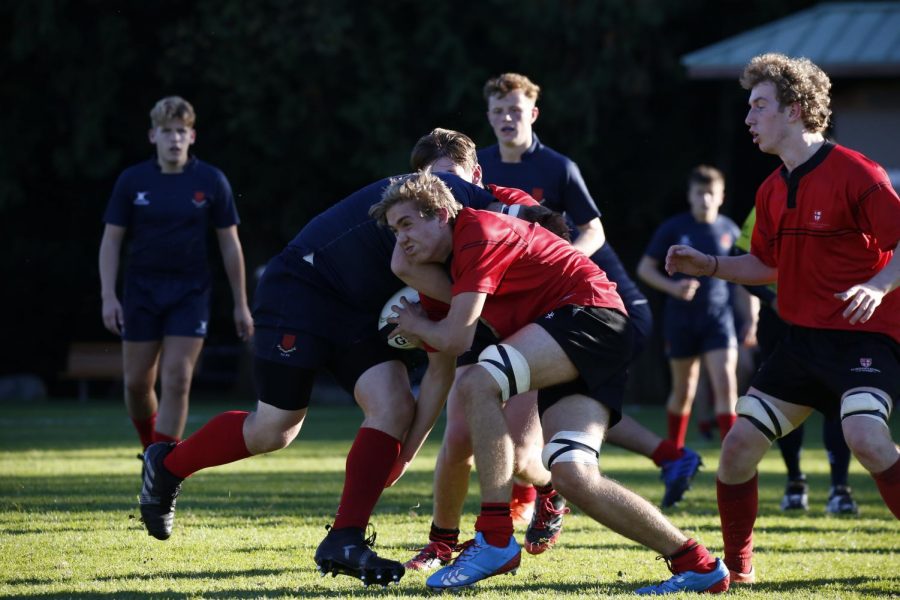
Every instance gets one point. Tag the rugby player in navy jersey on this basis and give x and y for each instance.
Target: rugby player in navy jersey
(316, 308)
(564, 332)
(520, 160)
(165, 206)
(828, 232)
(698, 323)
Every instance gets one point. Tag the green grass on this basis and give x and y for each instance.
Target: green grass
(69, 522)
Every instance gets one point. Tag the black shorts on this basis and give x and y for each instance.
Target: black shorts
(286, 362)
(156, 306)
(600, 343)
(815, 367)
(690, 332)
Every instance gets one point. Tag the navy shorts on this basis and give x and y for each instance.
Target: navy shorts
(600, 343)
(286, 362)
(155, 306)
(815, 367)
(690, 333)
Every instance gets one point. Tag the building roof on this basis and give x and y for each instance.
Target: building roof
(846, 39)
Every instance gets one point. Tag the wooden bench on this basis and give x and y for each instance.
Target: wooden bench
(93, 361)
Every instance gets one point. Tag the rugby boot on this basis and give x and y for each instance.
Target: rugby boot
(796, 495)
(546, 524)
(677, 476)
(347, 552)
(521, 512)
(159, 491)
(432, 556)
(841, 502)
(477, 560)
(714, 582)
(738, 578)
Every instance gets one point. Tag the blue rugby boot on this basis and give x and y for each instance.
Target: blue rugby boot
(714, 582)
(478, 560)
(677, 475)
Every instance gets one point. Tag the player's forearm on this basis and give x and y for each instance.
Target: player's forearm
(108, 263)
(745, 269)
(233, 261)
(436, 383)
(650, 274)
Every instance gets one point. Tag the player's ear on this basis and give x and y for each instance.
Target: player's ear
(534, 113)
(795, 111)
(151, 135)
(443, 215)
(476, 175)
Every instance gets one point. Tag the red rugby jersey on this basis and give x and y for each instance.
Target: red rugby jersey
(830, 224)
(526, 270)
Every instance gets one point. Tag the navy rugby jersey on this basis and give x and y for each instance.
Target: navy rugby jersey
(353, 253)
(716, 238)
(167, 215)
(555, 181)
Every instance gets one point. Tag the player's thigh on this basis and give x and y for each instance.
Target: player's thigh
(548, 363)
(383, 388)
(140, 360)
(575, 413)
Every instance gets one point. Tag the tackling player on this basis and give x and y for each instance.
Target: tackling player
(317, 308)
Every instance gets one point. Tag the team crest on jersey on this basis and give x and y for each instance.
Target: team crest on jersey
(140, 199)
(726, 241)
(286, 347)
(818, 219)
(865, 366)
(199, 199)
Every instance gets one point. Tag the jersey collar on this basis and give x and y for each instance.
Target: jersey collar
(792, 179)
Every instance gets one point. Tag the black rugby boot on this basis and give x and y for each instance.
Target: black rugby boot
(159, 491)
(346, 552)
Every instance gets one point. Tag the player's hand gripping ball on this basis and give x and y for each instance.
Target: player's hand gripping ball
(387, 312)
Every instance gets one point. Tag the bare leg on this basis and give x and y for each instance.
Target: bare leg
(179, 356)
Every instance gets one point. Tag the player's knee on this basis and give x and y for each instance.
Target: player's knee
(868, 404)
(457, 443)
(571, 447)
(765, 416)
(508, 368)
(573, 479)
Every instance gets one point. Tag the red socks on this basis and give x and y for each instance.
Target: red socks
(665, 452)
(450, 537)
(369, 464)
(495, 523)
(523, 494)
(219, 442)
(692, 556)
(738, 505)
(888, 483)
(144, 429)
(678, 425)
(726, 422)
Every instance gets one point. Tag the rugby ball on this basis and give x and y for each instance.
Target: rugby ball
(387, 312)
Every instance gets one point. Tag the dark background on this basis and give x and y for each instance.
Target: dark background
(302, 102)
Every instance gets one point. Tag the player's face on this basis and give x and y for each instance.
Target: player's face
(511, 117)
(445, 165)
(421, 239)
(705, 200)
(767, 119)
(172, 139)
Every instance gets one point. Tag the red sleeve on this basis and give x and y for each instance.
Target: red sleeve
(879, 210)
(511, 196)
(763, 231)
(435, 309)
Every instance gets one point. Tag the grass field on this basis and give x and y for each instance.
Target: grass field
(69, 523)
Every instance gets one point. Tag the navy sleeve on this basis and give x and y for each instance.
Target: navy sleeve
(579, 205)
(224, 211)
(118, 209)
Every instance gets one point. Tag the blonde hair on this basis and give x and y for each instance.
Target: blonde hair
(505, 83)
(426, 190)
(444, 143)
(795, 80)
(172, 107)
